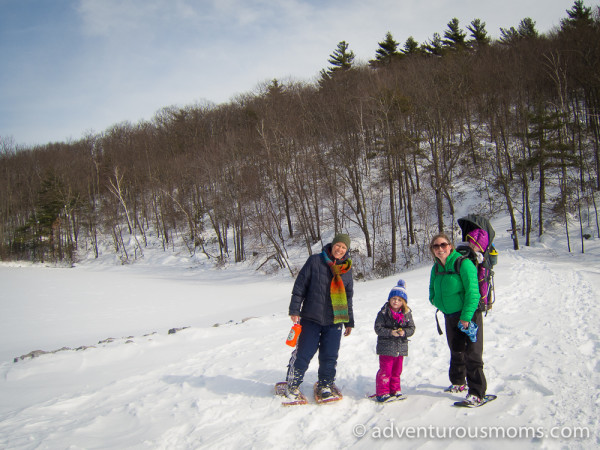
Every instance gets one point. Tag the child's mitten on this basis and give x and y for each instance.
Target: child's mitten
(471, 331)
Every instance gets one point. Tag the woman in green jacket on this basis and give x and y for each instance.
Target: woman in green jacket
(457, 296)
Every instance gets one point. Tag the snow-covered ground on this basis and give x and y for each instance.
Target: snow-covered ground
(211, 386)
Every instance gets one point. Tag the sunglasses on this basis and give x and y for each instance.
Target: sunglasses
(443, 246)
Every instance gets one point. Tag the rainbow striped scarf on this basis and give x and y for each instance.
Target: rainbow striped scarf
(339, 301)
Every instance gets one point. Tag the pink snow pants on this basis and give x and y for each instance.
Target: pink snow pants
(387, 380)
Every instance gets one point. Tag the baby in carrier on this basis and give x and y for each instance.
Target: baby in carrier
(478, 240)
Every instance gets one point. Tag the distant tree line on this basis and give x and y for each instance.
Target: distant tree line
(387, 148)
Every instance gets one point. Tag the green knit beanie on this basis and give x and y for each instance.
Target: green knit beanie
(344, 238)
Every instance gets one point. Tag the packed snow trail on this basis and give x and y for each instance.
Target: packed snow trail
(212, 387)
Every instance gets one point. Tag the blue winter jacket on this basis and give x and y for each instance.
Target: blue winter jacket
(311, 297)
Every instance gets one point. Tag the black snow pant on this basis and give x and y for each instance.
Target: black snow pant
(466, 357)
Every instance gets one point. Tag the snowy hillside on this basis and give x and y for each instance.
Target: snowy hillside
(212, 386)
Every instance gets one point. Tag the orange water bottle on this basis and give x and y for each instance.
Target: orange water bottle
(293, 336)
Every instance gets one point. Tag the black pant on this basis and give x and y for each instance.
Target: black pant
(466, 357)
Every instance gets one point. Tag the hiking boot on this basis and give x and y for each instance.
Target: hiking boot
(473, 400)
(325, 391)
(456, 388)
(292, 393)
(383, 398)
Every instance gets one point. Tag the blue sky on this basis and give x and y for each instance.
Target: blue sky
(74, 67)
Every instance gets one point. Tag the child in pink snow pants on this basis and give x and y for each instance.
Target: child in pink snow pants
(394, 325)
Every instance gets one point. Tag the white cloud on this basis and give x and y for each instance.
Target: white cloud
(124, 60)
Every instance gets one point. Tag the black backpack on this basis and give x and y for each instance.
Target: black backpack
(485, 273)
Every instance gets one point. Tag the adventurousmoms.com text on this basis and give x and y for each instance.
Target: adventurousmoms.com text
(392, 431)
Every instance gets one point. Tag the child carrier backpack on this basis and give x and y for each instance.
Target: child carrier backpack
(478, 245)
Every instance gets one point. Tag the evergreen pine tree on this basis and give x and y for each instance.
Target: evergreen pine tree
(478, 33)
(579, 16)
(435, 46)
(508, 36)
(387, 51)
(341, 59)
(455, 38)
(275, 88)
(526, 30)
(411, 47)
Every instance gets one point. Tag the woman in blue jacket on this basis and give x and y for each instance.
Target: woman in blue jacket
(321, 302)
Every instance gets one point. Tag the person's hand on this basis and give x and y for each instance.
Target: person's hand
(295, 319)
(347, 331)
(398, 333)
(464, 324)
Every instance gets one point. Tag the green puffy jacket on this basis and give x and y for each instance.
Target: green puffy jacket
(451, 292)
